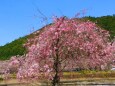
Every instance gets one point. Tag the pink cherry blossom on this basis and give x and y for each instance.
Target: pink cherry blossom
(66, 44)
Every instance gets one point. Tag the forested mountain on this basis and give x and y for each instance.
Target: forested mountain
(13, 48)
(16, 46)
(105, 22)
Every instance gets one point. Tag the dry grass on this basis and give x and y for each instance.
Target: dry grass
(89, 74)
(83, 75)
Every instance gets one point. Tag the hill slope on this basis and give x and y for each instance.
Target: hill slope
(106, 22)
(16, 46)
(13, 48)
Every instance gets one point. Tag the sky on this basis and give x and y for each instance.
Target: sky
(21, 17)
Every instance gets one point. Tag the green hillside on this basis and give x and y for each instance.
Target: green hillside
(13, 48)
(105, 22)
(16, 46)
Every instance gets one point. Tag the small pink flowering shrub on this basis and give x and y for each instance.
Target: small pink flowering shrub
(14, 64)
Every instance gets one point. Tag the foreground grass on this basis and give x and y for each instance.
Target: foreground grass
(104, 77)
(88, 74)
(82, 75)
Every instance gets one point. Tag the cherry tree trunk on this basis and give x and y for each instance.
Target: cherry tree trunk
(56, 78)
(56, 66)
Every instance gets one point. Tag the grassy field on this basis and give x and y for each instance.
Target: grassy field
(70, 77)
(89, 74)
(80, 74)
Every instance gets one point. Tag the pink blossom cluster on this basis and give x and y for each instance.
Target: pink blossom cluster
(73, 43)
